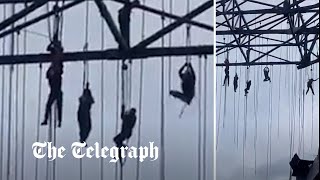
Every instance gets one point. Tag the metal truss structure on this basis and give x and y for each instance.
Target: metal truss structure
(256, 26)
(124, 50)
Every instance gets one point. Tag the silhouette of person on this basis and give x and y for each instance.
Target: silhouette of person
(248, 85)
(226, 72)
(188, 79)
(84, 116)
(54, 76)
(266, 74)
(309, 85)
(235, 82)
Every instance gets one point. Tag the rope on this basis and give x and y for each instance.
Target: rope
(23, 101)
(188, 34)
(199, 121)
(205, 119)
(16, 112)
(141, 91)
(39, 117)
(102, 99)
(86, 45)
(170, 45)
(162, 111)
(2, 99)
(10, 101)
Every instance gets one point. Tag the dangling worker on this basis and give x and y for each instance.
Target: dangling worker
(235, 82)
(84, 117)
(54, 76)
(309, 85)
(54, 73)
(248, 85)
(188, 79)
(226, 72)
(128, 122)
(266, 74)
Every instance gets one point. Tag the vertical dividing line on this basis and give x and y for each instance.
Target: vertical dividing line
(170, 45)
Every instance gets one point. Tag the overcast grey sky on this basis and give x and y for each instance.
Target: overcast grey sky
(287, 109)
(181, 134)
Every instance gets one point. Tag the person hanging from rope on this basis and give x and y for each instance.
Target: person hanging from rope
(309, 85)
(84, 117)
(129, 119)
(188, 78)
(266, 74)
(54, 73)
(235, 82)
(226, 72)
(54, 76)
(248, 85)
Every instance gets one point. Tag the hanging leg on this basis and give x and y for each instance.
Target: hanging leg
(50, 101)
(59, 103)
(179, 95)
(312, 90)
(308, 90)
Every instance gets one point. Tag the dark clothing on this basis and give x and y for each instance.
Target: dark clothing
(54, 76)
(188, 79)
(235, 83)
(84, 115)
(247, 88)
(226, 77)
(300, 167)
(266, 74)
(309, 85)
(128, 122)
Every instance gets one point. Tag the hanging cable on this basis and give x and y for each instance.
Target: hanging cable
(170, 45)
(141, 90)
(39, 116)
(10, 101)
(16, 111)
(2, 98)
(102, 99)
(23, 100)
(205, 119)
(199, 118)
(162, 110)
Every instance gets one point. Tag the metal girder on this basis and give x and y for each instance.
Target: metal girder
(19, 27)
(113, 28)
(110, 54)
(174, 25)
(266, 63)
(138, 6)
(314, 30)
(255, 23)
(7, 22)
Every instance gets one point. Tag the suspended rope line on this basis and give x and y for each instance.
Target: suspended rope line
(141, 90)
(16, 112)
(23, 101)
(170, 45)
(204, 166)
(2, 99)
(219, 115)
(10, 101)
(39, 116)
(102, 99)
(312, 107)
(238, 113)
(199, 118)
(162, 110)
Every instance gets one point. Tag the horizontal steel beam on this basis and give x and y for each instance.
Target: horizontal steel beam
(271, 31)
(110, 54)
(266, 63)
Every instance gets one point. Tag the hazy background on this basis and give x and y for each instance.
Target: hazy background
(280, 107)
(181, 135)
